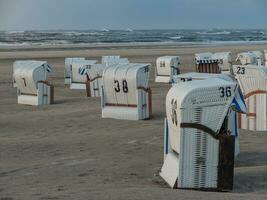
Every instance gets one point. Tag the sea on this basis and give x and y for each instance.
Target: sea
(57, 37)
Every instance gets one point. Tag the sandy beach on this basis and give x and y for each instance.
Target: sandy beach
(67, 151)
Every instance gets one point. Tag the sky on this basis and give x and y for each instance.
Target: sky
(134, 14)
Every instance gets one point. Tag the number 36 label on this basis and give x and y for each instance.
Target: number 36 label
(225, 92)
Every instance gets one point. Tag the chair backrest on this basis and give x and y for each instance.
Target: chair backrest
(167, 65)
(121, 82)
(27, 74)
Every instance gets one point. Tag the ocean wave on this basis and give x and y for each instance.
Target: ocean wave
(14, 32)
(214, 33)
(82, 33)
(176, 37)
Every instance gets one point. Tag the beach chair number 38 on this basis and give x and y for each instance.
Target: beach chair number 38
(174, 112)
(124, 86)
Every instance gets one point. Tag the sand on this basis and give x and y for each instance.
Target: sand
(66, 151)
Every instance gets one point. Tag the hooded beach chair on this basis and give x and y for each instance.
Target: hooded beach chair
(67, 69)
(233, 121)
(93, 75)
(250, 58)
(114, 60)
(125, 92)
(166, 68)
(253, 83)
(213, 63)
(199, 146)
(31, 82)
(78, 80)
(205, 63)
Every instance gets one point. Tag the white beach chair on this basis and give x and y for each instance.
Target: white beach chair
(253, 83)
(67, 69)
(233, 121)
(93, 75)
(199, 146)
(31, 82)
(247, 58)
(166, 68)
(125, 92)
(205, 63)
(113, 60)
(78, 80)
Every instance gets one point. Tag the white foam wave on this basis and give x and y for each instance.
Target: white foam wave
(214, 33)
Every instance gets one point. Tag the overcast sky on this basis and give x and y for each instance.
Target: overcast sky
(135, 14)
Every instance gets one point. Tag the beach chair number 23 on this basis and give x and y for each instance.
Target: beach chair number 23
(241, 70)
(174, 112)
(124, 86)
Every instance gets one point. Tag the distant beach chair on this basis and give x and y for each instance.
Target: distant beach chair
(67, 69)
(199, 145)
(31, 82)
(166, 68)
(250, 58)
(125, 92)
(113, 60)
(78, 80)
(93, 75)
(217, 63)
(253, 83)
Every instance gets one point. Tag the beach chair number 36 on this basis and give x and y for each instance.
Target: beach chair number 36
(124, 86)
(174, 112)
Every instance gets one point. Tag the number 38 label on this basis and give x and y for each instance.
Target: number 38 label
(124, 86)
(225, 92)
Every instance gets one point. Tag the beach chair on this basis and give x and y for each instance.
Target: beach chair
(233, 122)
(113, 60)
(205, 63)
(93, 75)
(247, 58)
(199, 146)
(31, 82)
(253, 83)
(125, 92)
(78, 80)
(166, 67)
(67, 69)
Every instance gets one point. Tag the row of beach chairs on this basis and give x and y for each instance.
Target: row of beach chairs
(204, 109)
